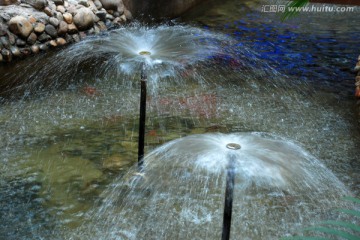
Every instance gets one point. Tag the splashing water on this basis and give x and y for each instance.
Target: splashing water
(278, 187)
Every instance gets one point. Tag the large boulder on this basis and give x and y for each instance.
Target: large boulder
(84, 19)
(20, 26)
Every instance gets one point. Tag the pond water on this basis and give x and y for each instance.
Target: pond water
(69, 126)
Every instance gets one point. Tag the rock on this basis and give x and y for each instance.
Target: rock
(98, 4)
(8, 2)
(102, 26)
(12, 38)
(123, 18)
(25, 51)
(15, 51)
(1, 58)
(82, 35)
(116, 14)
(127, 14)
(32, 19)
(68, 38)
(357, 92)
(5, 42)
(72, 28)
(32, 39)
(83, 3)
(3, 29)
(84, 19)
(35, 49)
(109, 16)
(54, 21)
(75, 37)
(68, 18)
(101, 15)
(48, 12)
(39, 28)
(51, 30)
(52, 43)
(44, 37)
(59, 16)
(20, 42)
(43, 47)
(60, 41)
(63, 28)
(20, 26)
(58, 2)
(357, 67)
(6, 55)
(115, 162)
(60, 8)
(117, 21)
(37, 4)
(116, 5)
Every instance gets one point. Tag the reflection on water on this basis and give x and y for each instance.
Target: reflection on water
(61, 149)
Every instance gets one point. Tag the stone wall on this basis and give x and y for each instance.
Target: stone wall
(31, 26)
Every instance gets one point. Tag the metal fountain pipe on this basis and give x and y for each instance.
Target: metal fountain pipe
(229, 191)
(141, 141)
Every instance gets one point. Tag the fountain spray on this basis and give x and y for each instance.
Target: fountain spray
(229, 191)
(141, 143)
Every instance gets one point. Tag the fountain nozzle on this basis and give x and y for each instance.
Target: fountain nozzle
(145, 53)
(233, 146)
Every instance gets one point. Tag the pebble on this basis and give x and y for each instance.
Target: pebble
(48, 11)
(54, 21)
(44, 37)
(61, 8)
(60, 41)
(1, 58)
(75, 37)
(101, 15)
(72, 28)
(15, 51)
(6, 55)
(5, 42)
(35, 49)
(32, 39)
(20, 42)
(39, 28)
(25, 51)
(63, 28)
(52, 43)
(58, 2)
(43, 47)
(51, 30)
(68, 18)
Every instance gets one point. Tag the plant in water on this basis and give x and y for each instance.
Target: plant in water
(342, 229)
(293, 8)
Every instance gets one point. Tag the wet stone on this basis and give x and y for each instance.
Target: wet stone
(53, 43)
(1, 58)
(32, 39)
(15, 51)
(63, 28)
(48, 11)
(54, 21)
(43, 47)
(25, 51)
(6, 55)
(58, 2)
(5, 42)
(101, 15)
(98, 4)
(68, 18)
(76, 37)
(39, 28)
(44, 37)
(20, 42)
(35, 49)
(2, 29)
(20, 26)
(60, 41)
(72, 28)
(12, 38)
(51, 30)
(60, 8)
(83, 3)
